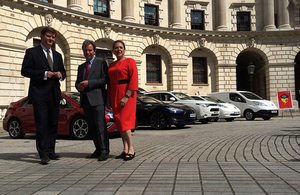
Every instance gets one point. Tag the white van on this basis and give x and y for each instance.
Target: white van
(250, 104)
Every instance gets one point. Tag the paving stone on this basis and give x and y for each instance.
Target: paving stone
(242, 158)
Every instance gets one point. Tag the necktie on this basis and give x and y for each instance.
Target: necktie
(49, 60)
(87, 70)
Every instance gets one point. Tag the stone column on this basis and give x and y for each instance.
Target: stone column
(128, 10)
(175, 11)
(221, 15)
(283, 15)
(75, 4)
(268, 9)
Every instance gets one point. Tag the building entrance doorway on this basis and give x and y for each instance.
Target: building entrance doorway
(250, 73)
(297, 78)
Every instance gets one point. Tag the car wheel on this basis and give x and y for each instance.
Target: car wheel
(179, 126)
(249, 115)
(158, 120)
(266, 117)
(79, 128)
(229, 119)
(15, 129)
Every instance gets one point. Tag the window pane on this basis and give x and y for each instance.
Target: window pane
(243, 21)
(197, 20)
(102, 54)
(199, 70)
(153, 67)
(151, 17)
(101, 7)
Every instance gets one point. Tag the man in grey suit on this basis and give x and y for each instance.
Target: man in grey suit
(91, 80)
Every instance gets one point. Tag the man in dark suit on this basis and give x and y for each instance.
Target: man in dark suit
(44, 66)
(91, 80)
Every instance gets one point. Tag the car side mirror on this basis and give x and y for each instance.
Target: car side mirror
(172, 99)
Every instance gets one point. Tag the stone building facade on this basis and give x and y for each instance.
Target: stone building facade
(230, 35)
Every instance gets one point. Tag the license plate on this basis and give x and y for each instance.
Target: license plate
(216, 112)
(192, 115)
(273, 111)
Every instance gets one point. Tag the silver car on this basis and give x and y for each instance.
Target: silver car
(205, 111)
(228, 111)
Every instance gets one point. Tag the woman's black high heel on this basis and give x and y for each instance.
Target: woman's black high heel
(121, 156)
(129, 157)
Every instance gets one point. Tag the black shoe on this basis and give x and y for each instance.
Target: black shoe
(94, 155)
(122, 155)
(129, 157)
(45, 160)
(54, 156)
(103, 157)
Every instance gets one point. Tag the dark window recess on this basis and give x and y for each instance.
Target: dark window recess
(101, 8)
(102, 54)
(199, 70)
(151, 15)
(153, 66)
(243, 21)
(197, 20)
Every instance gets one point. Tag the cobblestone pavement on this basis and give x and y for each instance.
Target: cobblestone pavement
(239, 157)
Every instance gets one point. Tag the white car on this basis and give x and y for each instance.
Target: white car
(228, 111)
(205, 110)
(250, 104)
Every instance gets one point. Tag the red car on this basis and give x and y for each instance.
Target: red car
(19, 118)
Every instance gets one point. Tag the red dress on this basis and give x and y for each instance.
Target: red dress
(123, 76)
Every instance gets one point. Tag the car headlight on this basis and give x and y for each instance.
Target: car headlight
(109, 113)
(222, 106)
(172, 109)
(202, 105)
(259, 103)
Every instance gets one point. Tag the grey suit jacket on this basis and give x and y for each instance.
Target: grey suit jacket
(97, 78)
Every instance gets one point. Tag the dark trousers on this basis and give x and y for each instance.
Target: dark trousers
(46, 115)
(95, 117)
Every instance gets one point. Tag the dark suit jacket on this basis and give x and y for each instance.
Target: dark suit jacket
(34, 66)
(97, 79)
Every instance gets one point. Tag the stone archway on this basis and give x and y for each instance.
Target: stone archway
(259, 77)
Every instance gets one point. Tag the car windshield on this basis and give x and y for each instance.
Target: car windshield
(182, 96)
(213, 99)
(198, 98)
(74, 96)
(148, 99)
(251, 96)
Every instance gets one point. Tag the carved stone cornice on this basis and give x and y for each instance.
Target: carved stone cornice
(64, 13)
(193, 2)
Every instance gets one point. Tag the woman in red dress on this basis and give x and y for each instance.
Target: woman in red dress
(121, 98)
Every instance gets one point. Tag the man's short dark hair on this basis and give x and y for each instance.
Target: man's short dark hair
(88, 42)
(48, 29)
